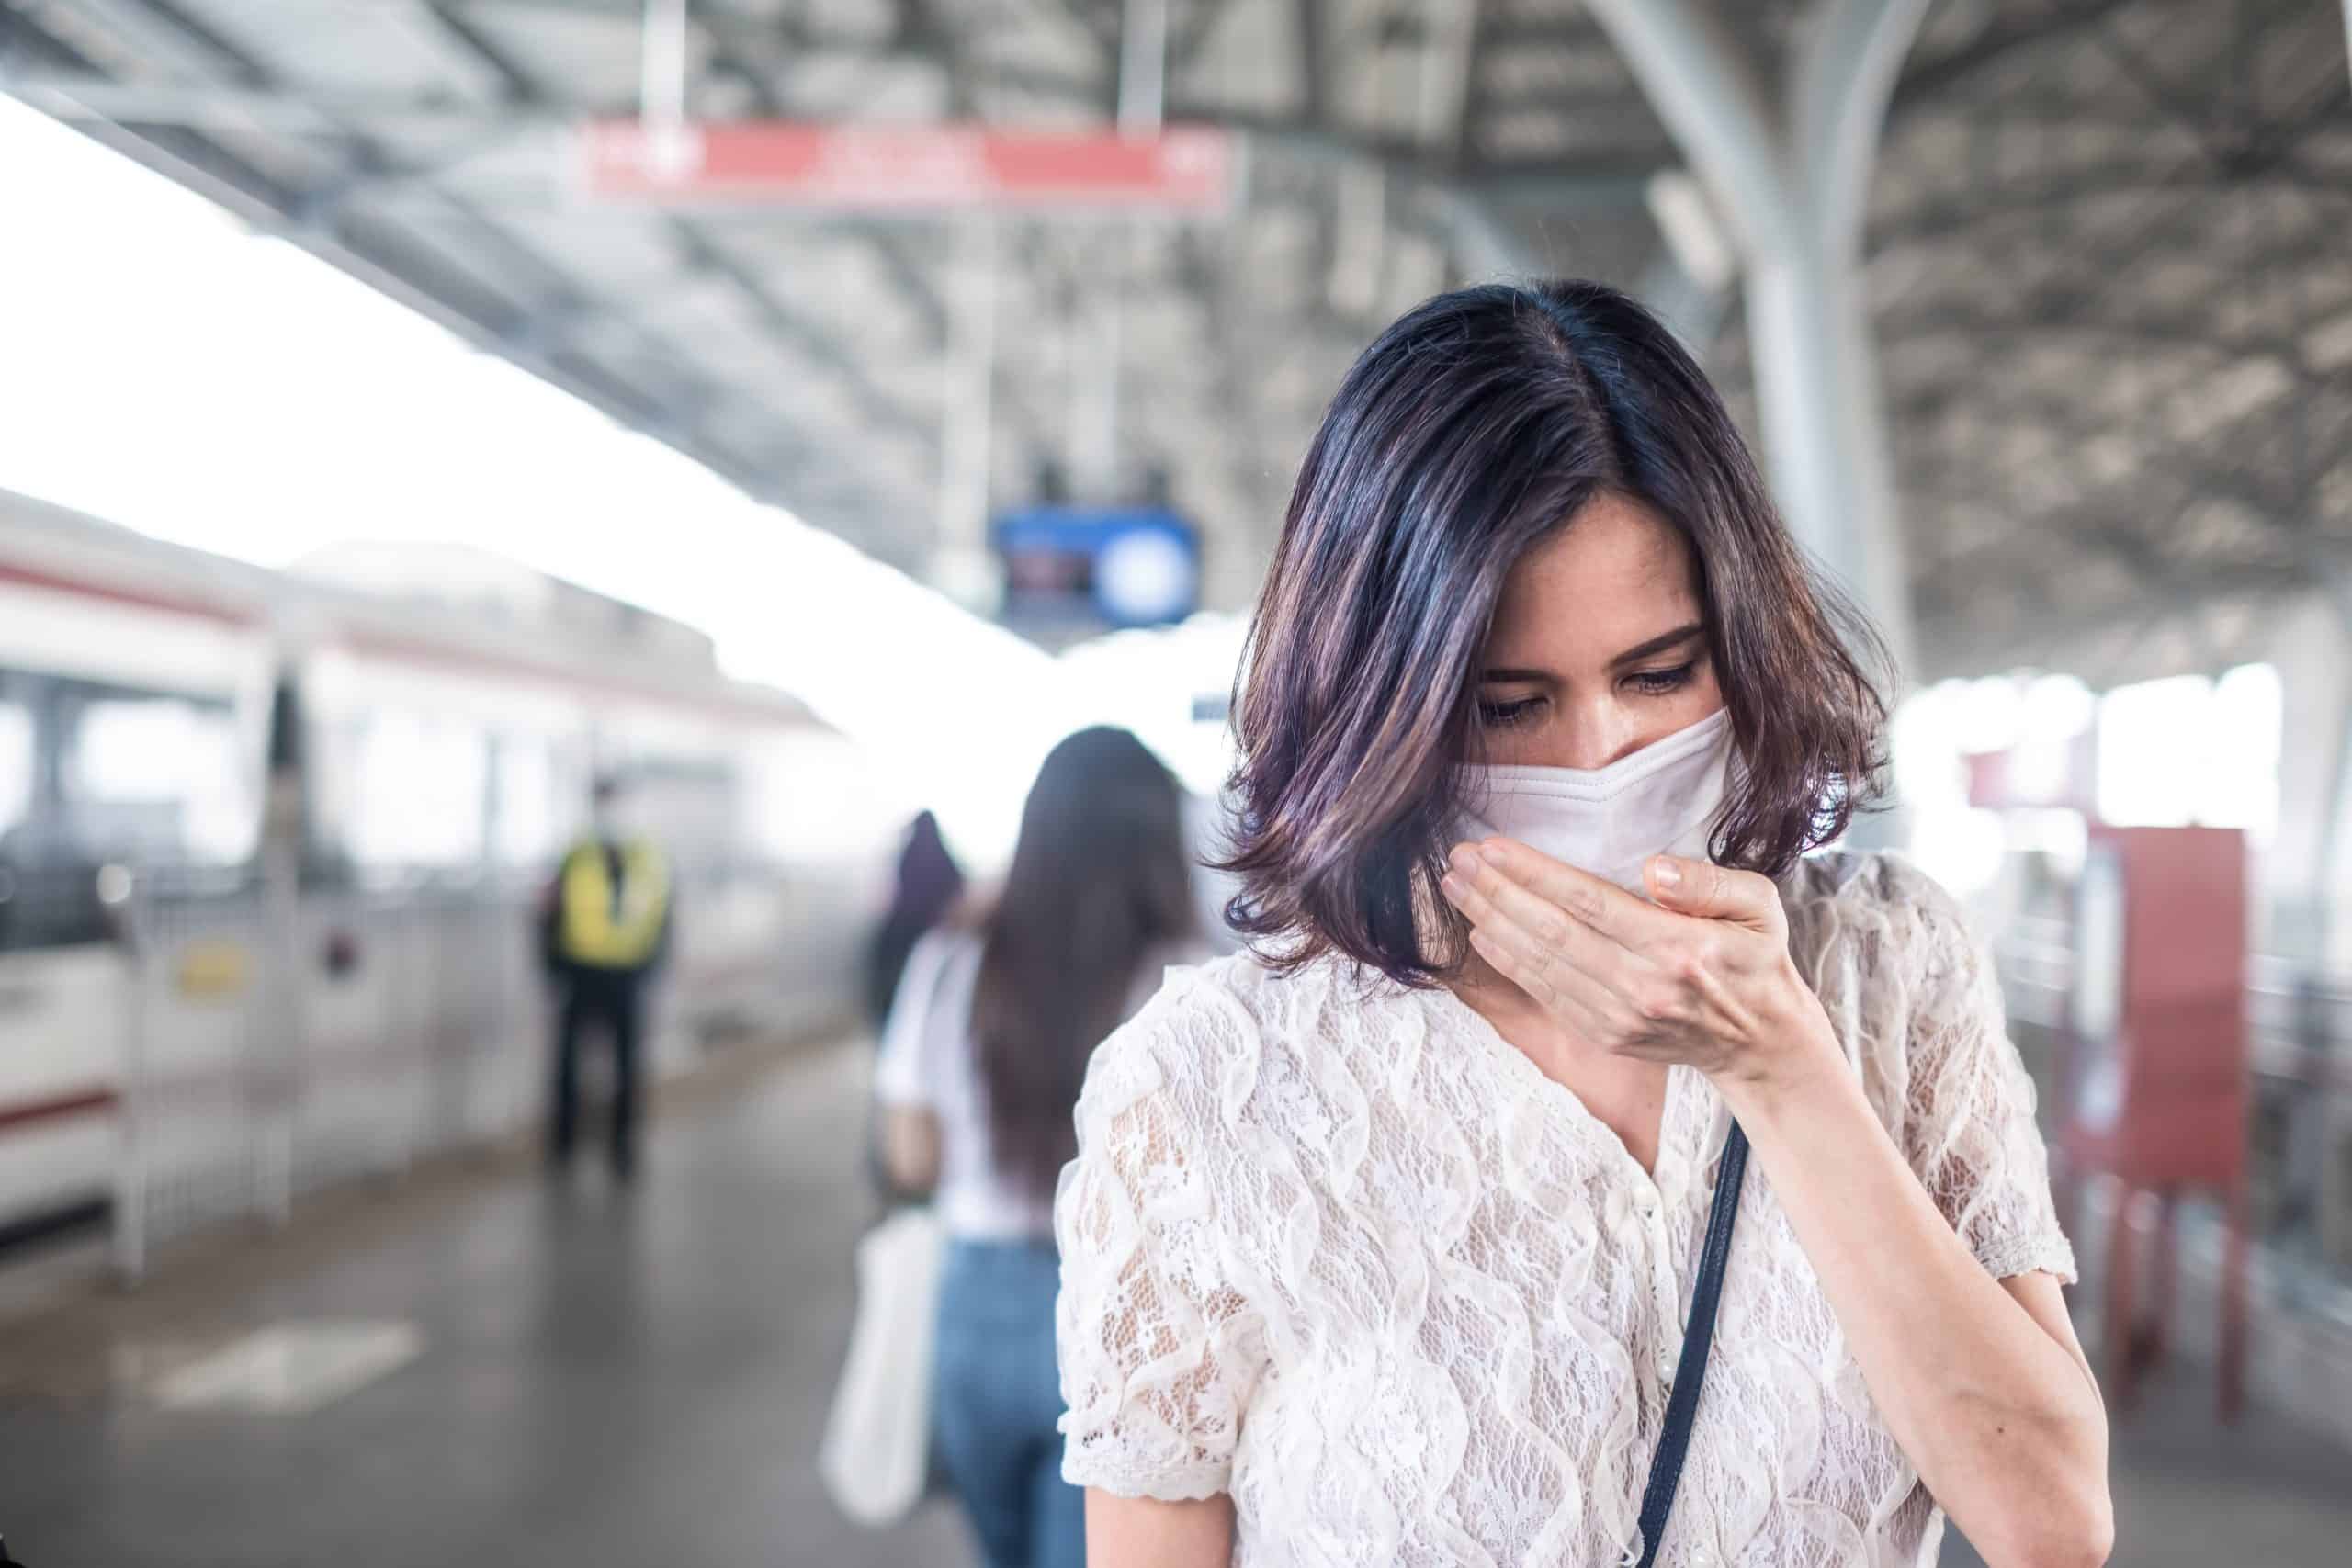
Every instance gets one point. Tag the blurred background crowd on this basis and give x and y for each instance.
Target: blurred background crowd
(543, 545)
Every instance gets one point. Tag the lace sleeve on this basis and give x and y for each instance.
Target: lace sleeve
(1969, 1126)
(1159, 1348)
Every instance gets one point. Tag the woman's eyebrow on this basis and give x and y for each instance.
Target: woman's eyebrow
(1658, 644)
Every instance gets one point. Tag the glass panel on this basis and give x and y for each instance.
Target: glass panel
(2154, 757)
(16, 764)
(156, 779)
(526, 802)
(2243, 738)
(418, 789)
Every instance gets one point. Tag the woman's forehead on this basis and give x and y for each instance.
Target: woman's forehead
(1614, 576)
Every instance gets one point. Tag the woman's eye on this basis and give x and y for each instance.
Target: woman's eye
(1502, 715)
(1657, 683)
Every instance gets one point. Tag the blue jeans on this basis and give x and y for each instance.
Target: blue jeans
(995, 1397)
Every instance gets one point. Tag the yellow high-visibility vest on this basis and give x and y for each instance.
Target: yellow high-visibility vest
(594, 932)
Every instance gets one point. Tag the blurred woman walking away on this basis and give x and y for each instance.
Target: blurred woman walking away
(982, 1065)
(929, 882)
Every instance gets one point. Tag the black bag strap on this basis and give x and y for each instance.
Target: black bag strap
(1691, 1368)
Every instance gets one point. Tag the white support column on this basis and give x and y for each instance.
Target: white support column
(962, 566)
(1791, 185)
(1143, 66)
(662, 63)
(1844, 75)
(662, 86)
(1846, 62)
(2311, 644)
(1143, 92)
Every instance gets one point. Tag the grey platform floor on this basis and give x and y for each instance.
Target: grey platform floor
(606, 1379)
(594, 1378)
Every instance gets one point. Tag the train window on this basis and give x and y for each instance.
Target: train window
(525, 824)
(419, 792)
(16, 764)
(2245, 725)
(157, 778)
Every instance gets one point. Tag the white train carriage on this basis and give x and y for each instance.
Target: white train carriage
(133, 700)
(269, 846)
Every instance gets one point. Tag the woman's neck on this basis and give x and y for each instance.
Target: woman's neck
(1625, 1093)
(1521, 1018)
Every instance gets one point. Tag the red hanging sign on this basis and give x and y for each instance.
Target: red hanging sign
(1190, 170)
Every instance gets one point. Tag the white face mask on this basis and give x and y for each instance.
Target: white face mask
(1660, 800)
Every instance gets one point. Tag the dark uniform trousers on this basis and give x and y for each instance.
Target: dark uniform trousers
(612, 1001)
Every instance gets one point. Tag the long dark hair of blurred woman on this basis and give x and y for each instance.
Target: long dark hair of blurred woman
(928, 884)
(981, 1065)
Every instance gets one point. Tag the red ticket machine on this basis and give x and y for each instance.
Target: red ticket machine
(2157, 1071)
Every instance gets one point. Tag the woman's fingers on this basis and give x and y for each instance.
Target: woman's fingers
(1533, 943)
(1592, 901)
(1712, 892)
(1580, 1006)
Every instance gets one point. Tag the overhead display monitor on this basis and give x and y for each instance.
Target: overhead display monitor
(1069, 570)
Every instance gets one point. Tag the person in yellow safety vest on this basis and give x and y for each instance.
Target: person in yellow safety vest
(605, 930)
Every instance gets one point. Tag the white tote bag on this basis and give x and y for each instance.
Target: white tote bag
(877, 1439)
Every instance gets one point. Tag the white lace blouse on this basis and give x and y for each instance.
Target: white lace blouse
(1333, 1247)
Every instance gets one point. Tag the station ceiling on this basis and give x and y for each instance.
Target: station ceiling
(2107, 254)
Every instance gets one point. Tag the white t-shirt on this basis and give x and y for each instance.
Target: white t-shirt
(929, 1062)
(1333, 1247)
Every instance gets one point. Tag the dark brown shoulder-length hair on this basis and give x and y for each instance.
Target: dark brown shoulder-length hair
(1470, 430)
(1101, 878)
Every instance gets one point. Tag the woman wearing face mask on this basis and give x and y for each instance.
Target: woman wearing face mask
(1555, 1066)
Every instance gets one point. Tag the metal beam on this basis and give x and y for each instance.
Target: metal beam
(704, 255)
(2177, 333)
(917, 287)
(726, 54)
(2160, 94)
(1189, 33)
(2128, 520)
(1311, 39)
(454, 21)
(83, 95)
(1930, 79)
(2133, 176)
(2269, 152)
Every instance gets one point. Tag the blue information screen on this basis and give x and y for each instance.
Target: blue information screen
(1121, 566)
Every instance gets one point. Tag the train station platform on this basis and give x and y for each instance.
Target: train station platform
(476, 1364)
